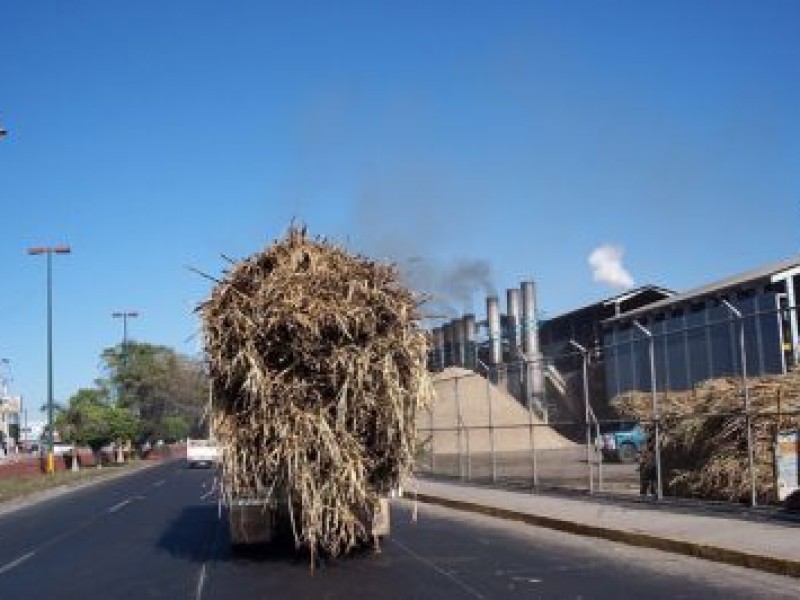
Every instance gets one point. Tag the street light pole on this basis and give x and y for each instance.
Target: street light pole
(49, 251)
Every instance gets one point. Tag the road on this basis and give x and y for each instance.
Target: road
(155, 534)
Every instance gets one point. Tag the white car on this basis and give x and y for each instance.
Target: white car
(201, 453)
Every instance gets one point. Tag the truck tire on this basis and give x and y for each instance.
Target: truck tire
(627, 453)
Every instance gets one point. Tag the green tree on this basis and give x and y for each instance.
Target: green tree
(165, 389)
(124, 425)
(90, 420)
(175, 428)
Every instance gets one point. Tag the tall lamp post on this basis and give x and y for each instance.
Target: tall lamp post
(5, 431)
(49, 251)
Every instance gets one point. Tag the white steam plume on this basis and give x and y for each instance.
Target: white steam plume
(606, 263)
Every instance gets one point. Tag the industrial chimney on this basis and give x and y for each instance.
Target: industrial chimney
(447, 334)
(458, 342)
(513, 332)
(495, 341)
(438, 348)
(468, 323)
(534, 381)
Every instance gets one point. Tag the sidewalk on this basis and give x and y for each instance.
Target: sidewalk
(749, 541)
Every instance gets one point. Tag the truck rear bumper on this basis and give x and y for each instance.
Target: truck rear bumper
(252, 521)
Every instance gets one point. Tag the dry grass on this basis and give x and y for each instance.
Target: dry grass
(318, 367)
(704, 434)
(19, 486)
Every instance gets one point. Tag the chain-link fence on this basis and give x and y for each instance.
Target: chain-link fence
(707, 410)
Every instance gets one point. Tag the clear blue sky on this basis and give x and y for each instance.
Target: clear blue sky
(152, 135)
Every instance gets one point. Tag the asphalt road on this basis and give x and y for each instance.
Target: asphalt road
(156, 534)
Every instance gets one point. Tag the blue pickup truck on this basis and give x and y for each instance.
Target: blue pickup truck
(622, 441)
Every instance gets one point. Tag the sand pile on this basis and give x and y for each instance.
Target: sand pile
(462, 396)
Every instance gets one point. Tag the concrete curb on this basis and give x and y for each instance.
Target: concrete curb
(737, 558)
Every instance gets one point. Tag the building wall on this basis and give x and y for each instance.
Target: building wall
(696, 342)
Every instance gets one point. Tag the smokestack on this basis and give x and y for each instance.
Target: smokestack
(530, 336)
(447, 334)
(534, 378)
(458, 342)
(514, 333)
(468, 322)
(438, 347)
(495, 341)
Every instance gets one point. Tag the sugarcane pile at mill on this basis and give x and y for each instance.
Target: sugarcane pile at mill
(318, 367)
(703, 433)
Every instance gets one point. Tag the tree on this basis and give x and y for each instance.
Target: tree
(167, 390)
(90, 420)
(175, 428)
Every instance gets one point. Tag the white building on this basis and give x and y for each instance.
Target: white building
(9, 418)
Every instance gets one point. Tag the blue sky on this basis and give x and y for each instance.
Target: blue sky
(519, 136)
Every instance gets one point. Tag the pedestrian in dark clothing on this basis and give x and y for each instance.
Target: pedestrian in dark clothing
(647, 469)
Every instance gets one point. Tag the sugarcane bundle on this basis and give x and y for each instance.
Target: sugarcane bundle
(318, 367)
(703, 433)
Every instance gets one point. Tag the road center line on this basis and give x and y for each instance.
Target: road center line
(116, 507)
(470, 590)
(16, 562)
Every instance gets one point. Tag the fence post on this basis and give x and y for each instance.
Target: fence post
(531, 431)
(657, 423)
(491, 418)
(748, 425)
(433, 437)
(469, 457)
(459, 430)
(585, 357)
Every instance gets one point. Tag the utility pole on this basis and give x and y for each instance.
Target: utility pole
(49, 251)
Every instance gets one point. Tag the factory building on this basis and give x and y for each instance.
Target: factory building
(534, 361)
(696, 335)
(560, 338)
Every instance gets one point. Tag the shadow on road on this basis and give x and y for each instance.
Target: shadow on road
(192, 534)
(200, 533)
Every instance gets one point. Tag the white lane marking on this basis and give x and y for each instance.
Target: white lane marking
(526, 579)
(206, 495)
(201, 580)
(16, 562)
(116, 507)
(159, 483)
(470, 590)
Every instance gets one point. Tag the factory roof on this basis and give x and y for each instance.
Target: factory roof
(771, 272)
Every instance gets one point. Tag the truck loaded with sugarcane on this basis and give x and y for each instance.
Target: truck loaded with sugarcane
(318, 366)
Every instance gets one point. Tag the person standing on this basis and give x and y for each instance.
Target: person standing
(647, 468)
